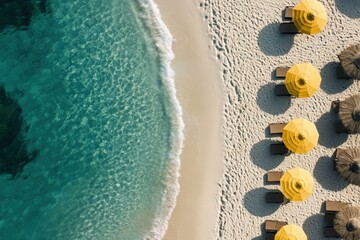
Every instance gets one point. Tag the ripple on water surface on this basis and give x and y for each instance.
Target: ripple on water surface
(87, 78)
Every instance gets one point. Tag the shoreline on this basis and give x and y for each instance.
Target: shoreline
(197, 81)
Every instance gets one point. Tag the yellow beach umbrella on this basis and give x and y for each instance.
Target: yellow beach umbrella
(309, 16)
(302, 80)
(300, 135)
(297, 184)
(290, 232)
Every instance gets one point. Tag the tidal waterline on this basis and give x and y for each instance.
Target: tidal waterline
(89, 80)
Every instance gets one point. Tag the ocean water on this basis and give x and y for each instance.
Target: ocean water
(100, 116)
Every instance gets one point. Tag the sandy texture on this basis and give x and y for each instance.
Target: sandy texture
(249, 47)
(197, 81)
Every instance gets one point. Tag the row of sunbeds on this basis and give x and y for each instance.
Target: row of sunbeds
(331, 208)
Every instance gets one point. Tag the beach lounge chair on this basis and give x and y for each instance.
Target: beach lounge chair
(335, 106)
(270, 235)
(337, 152)
(331, 208)
(280, 72)
(288, 28)
(271, 228)
(274, 176)
(281, 90)
(275, 197)
(276, 128)
(334, 206)
(288, 12)
(279, 149)
(340, 128)
(329, 232)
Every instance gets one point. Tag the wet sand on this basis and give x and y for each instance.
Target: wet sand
(199, 91)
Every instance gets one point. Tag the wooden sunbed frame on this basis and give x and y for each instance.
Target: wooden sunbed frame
(288, 12)
(276, 197)
(281, 90)
(331, 208)
(288, 28)
(271, 228)
(280, 72)
(335, 106)
(276, 128)
(340, 128)
(279, 149)
(274, 176)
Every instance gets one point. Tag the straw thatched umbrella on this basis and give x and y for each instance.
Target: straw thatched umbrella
(349, 113)
(348, 165)
(347, 223)
(350, 61)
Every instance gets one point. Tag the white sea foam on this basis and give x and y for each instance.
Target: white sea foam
(163, 41)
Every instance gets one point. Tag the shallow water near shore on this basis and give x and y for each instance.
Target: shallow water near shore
(88, 78)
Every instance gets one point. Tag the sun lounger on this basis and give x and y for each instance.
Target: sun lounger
(288, 28)
(275, 197)
(337, 152)
(276, 128)
(288, 12)
(329, 219)
(270, 235)
(330, 232)
(335, 106)
(271, 228)
(274, 176)
(334, 206)
(331, 208)
(280, 72)
(281, 90)
(340, 73)
(273, 225)
(340, 128)
(279, 149)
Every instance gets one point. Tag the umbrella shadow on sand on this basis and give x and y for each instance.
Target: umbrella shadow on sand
(254, 202)
(349, 8)
(326, 128)
(268, 102)
(261, 156)
(334, 79)
(272, 43)
(313, 226)
(327, 176)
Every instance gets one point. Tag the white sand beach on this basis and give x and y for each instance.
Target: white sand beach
(244, 38)
(199, 90)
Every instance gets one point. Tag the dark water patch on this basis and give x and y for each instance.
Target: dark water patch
(13, 153)
(18, 13)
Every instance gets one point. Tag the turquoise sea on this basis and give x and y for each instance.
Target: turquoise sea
(99, 122)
